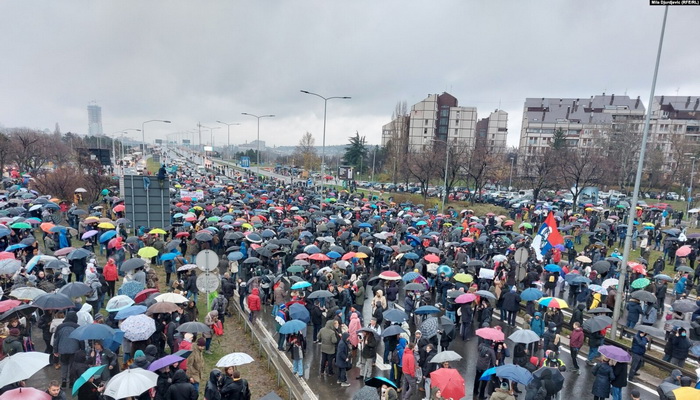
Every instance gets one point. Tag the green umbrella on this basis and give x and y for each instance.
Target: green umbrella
(104, 192)
(295, 269)
(21, 225)
(214, 219)
(641, 283)
(86, 377)
(526, 225)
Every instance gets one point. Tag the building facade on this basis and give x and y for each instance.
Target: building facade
(674, 128)
(94, 119)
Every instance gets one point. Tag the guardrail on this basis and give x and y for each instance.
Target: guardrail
(274, 359)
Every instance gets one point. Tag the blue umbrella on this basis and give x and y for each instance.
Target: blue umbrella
(131, 289)
(298, 311)
(355, 243)
(89, 373)
(392, 330)
(427, 309)
(378, 381)
(292, 326)
(514, 373)
(411, 256)
(578, 279)
(364, 225)
(58, 229)
(487, 374)
(93, 332)
(15, 247)
(531, 294)
(410, 276)
(333, 254)
(169, 256)
(235, 256)
(552, 268)
(446, 269)
(116, 340)
(300, 285)
(129, 311)
(395, 315)
(105, 237)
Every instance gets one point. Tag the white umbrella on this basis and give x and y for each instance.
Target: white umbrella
(445, 356)
(138, 327)
(130, 383)
(234, 359)
(21, 366)
(118, 303)
(610, 282)
(26, 293)
(171, 298)
(499, 258)
(80, 190)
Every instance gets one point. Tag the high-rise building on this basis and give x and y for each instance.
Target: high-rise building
(439, 117)
(94, 119)
(674, 128)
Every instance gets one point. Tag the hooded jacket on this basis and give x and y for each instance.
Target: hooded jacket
(537, 325)
(62, 342)
(110, 271)
(235, 389)
(577, 315)
(181, 388)
(211, 392)
(353, 327)
(12, 345)
(195, 368)
(342, 356)
(254, 300)
(328, 337)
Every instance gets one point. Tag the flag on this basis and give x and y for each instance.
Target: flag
(547, 237)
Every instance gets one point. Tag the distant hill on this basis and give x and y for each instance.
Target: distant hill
(330, 150)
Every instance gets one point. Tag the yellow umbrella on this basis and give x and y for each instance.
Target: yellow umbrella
(148, 252)
(157, 231)
(361, 255)
(686, 393)
(247, 226)
(589, 208)
(198, 208)
(91, 219)
(106, 225)
(464, 278)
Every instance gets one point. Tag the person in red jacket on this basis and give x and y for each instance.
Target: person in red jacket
(186, 344)
(408, 367)
(253, 304)
(575, 343)
(111, 276)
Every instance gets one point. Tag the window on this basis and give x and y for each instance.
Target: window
(443, 121)
(456, 132)
(426, 122)
(444, 113)
(425, 131)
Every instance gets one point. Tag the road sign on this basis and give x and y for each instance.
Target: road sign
(309, 182)
(207, 261)
(208, 283)
(521, 255)
(245, 162)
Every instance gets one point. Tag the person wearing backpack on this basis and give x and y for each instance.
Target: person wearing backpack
(220, 304)
(93, 296)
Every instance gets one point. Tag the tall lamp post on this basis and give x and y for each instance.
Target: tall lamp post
(228, 134)
(690, 188)
(114, 154)
(510, 179)
(258, 140)
(447, 160)
(143, 132)
(323, 143)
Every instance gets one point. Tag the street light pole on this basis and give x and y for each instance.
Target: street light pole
(258, 140)
(447, 164)
(510, 180)
(114, 154)
(690, 189)
(637, 184)
(228, 134)
(143, 132)
(325, 108)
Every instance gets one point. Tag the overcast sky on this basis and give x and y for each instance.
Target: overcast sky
(191, 61)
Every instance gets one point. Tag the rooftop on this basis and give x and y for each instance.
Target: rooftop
(596, 109)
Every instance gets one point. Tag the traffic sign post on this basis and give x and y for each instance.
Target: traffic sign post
(209, 281)
(521, 256)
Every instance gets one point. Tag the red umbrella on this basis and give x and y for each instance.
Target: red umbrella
(182, 234)
(118, 208)
(348, 255)
(319, 257)
(432, 258)
(637, 267)
(6, 255)
(143, 295)
(449, 381)
(8, 304)
(390, 276)
(25, 393)
(468, 240)
(491, 334)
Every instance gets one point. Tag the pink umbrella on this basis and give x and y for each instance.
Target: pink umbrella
(465, 298)
(319, 257)
(301, 256)
(491, 334)
(64, 251)
(390, 276)
(432, 258)
(25, 393)
(683, 251)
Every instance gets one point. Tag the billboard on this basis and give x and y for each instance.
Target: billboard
(208, 148)
(245, 162)
(185, 141)
(346, 173)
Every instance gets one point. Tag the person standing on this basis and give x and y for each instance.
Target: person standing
(297, 353)
(111, 276)
(54, 390)
(575, 343)
(680, 346)
(511, 304)
(180, 389)
(639, 348)
(196, 366)
(253, 304)
(329, 339)
(368, 354)
(620, 381)
(235, 388)
(342, 359)
(604, 376)
(486, 359)
(65, 346)
(427, 366)
(408, 367)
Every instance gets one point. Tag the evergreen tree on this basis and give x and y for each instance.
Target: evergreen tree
(356, 153)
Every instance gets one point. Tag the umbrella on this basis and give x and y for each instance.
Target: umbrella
(524, 336)
(427, 309)
(300, 285)
(131, 289)
(531, 294)
(21, 366)
(583, 259)
(192, 327)
(319, 294)
(640, 283)
(686, 393)
(107, 235)
(118, 303)
(53, 301)
(75, 289)
(553, 302)
(449, 381)
(552, 268)
(465, 298)
(463, 278)
(395, 315)
(26, 293)
(598, 289)
(599, 310)
(298, 311)
(6, 305)
(18, 312)
(163, 362)
(663, 277)
(650, 330)
(162, 308)
(597, 323)
(138, 327)
(366, 393)
(390, 276)
(25, 393)
(551, 375)
(93, 332)
(685, 268)
(9, 266)
(411, 256)
(511, 372)
(684, 306)
(89, 373)
(485, 293)
(643, 295)
(130, 383)
(295, 269)
(601, 266)
(77, 254)
(683, 251)
(143, 295)
(393, 330)
(129, 311)
(491, 334)
(610, 282)
(445, 356)
(379, 381)
(292, 326)
(432, 258)
(415, 287)
(615, 353)
(146, 252)
(132, 264)
(234, 360)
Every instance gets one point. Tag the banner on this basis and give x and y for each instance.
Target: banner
(198, 194)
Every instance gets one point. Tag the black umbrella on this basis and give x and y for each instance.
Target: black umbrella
(392, 330)
(650, 330)
(551, 378)
(597, 323)
(194, 327)
(204, 236)
(417, 286)
(368, 329)
(601, 266)
(78, 254)
(475, 263)
(599, 310)
(643, 295)
(319, 294)
(366, 393)
(53, 301)
(75, 289)
(172, 245)
(18, 312)
(132, 264)
(251, 260)
(684, 306)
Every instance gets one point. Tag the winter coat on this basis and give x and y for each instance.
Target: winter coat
(235, 389)
(110, 272)
(195, 365)
(342, 355)
(254, 300)
(511, 301)
(316, 315)
(620, 372)
(408, 363)
(62, 342)
(108, 358)
(500, 394)
(211, 392)
(426, 365)
(486, 358)
(353, 327)
(181, 388)
(634, 310)
(577, 315)
(639, 344)
(576, 338)
(537, 325)
(649, 316)
(360, 296)
(12, 345)
(184, 345)
(209, 320)
(328, 338)
(681, 346)
(604, 376)
(369, 347)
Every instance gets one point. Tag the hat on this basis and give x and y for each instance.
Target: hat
(188, 337)
(201, 342)
(505, 385)
(338, 312)
(635, 393)
(14, 332)
(98, 317)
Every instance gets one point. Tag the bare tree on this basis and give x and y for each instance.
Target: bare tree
(5, 152)
(539, 171)
(423, 167)
(622, 146)
(305, 152)
(31, 149)
(578, 169)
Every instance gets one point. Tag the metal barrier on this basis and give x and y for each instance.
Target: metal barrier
(274, 359)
